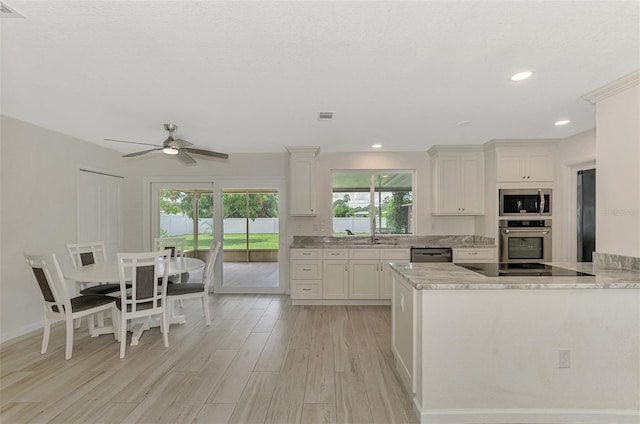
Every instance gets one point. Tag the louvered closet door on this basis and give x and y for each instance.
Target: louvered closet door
(100, 210)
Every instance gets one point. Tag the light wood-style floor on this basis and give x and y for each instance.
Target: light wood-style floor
(262, 360)
(250, 274)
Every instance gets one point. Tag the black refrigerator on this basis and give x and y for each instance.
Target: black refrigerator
(586, 215)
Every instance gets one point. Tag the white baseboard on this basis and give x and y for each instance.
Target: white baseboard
(343, 302)
(21, 331)
(518, 415)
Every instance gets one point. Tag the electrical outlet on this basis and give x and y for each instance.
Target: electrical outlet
(564, 358)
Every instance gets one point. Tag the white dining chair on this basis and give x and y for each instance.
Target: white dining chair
(197, 290)
(58, 306)
(147, 274)
(177, 247)
(83, 254)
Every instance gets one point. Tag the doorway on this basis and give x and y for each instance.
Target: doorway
(251, 238)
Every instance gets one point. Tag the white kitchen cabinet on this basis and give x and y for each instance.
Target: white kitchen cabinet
(335, 274)
(480, 254)
(404, 331)
(302, 180)
(457, 180)
(364, 279)
(306, 273)
(524, 166)
(387, 256)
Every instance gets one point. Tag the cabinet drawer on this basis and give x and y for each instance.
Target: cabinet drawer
(306, 270)
(306, 289)
(364, 253)
(390, 255)
(306, 253)
(336, 254)
(473, 255)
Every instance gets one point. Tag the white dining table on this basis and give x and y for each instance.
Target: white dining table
(108, 272)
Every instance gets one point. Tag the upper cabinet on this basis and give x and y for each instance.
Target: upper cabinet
(457, 180)
(302, 180)
(525, 162)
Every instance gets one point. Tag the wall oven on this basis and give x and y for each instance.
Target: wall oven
(525, 201)
(525, 241)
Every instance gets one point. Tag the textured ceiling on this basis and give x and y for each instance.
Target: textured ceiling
(251, 76)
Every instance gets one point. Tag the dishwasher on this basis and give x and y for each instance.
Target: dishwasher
(431, 254)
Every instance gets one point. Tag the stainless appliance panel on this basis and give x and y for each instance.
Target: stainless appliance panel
(525, 202)
(525, 241)
(431, 254)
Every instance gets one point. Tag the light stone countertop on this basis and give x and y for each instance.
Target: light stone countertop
(449, 276)
(392, 242)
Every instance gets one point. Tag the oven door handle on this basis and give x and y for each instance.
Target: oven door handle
(542, 202)
(526, 230)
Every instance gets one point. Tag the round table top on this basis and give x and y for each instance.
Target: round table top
(107, 272)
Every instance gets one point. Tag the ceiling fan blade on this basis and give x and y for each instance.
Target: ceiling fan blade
(131, 155)
(182, 143)
(206, 153)
(132, 142)
(185, 157)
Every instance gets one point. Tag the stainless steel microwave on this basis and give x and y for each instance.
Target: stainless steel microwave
(525, 201)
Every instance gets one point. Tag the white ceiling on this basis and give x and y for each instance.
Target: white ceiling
(252, 76)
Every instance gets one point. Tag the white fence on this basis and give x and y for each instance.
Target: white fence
(176, 225)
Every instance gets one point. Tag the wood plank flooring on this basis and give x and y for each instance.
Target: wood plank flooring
(262, 360)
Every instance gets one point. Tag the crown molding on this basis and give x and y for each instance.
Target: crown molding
(614, 87)
(303, 150)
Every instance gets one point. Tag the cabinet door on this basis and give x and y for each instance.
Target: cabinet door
(471, 186)
(364, 279)
(303, 186)
(539, 167)
(449, 178)
(403, 339)
(511, 167)
(335, 280)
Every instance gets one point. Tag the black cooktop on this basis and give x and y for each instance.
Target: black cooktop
(504, 269)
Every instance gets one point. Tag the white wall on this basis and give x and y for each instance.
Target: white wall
(39, 211)
(492, 356)
(576, 153)
(618, 174)
(426, 224)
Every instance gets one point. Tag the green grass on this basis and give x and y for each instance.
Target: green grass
(260, 241)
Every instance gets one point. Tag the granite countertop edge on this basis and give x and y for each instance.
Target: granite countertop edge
(448, 276)
(392, 246)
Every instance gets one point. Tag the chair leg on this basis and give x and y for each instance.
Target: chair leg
(45, 336)
(165, 328)
(123, 336)
(205, 306)
(78, 322)
(115, 321)
(69, 348)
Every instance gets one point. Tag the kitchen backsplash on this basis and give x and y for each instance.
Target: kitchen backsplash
(616, 261)
(443, 240)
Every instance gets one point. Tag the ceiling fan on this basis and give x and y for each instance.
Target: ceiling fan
(174, 146)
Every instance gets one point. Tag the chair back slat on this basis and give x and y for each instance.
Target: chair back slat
(48, 275)
(175, 244)
(147, 275)
(207, 276)
(87, 258)
(83, 254)
(44, 284)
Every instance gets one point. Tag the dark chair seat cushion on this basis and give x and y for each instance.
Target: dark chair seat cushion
(84, 302)
(103, 289)
(140, 307)
(178, 289)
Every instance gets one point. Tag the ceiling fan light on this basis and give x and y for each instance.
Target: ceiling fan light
(170, 150)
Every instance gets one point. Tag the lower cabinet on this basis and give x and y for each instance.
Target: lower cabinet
(343, 274)
(403, 331)
(480, 254)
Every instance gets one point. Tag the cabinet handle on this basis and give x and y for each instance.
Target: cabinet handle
(528, 176)
(473, 253)
(306, 289)
(306, 254)
(377, 268)
(306, 269)
(345, 267)
(334, 254)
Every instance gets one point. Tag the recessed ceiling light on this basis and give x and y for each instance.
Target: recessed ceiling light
(563, 122)
(521, 76)
(376, 146)
(462, 123)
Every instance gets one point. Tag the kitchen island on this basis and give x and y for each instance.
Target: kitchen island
(518, 349)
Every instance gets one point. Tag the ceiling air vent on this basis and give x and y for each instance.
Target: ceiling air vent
(7, 11)
(325, 116)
